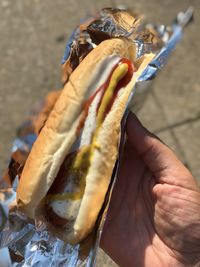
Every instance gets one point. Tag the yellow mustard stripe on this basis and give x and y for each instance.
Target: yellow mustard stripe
(117, 75)
(64, 196)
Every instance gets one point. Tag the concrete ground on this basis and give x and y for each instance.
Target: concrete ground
(33, 36)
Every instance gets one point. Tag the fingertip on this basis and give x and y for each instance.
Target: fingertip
(139, 137)
(131, 117)
(131, 120)
(134, 128)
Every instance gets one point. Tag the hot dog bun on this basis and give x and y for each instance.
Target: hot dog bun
(59, 134)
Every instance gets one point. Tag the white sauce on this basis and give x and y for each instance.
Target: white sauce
(66, 208)
(90, 122)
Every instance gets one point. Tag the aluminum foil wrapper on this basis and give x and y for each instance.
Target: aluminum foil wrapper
(24, 242)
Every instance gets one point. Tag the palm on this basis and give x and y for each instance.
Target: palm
(143, 220)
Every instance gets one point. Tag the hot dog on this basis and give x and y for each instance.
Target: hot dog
(67, 174)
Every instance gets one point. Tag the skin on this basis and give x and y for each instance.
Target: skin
(154, 213)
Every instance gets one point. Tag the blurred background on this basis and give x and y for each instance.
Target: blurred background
(33, 35)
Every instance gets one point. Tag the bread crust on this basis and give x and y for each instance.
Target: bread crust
(59, 132)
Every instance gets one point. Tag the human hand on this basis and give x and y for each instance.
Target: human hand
(154, 215)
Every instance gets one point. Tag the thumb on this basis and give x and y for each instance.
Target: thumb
(160, 159)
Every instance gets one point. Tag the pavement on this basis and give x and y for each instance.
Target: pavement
(33, 36)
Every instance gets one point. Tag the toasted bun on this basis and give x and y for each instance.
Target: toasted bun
(59, 133)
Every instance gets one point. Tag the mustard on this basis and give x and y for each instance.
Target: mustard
(64, 196)
(83, 158)
(117, 75)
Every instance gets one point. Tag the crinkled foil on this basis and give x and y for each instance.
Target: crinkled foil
(26, 243)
